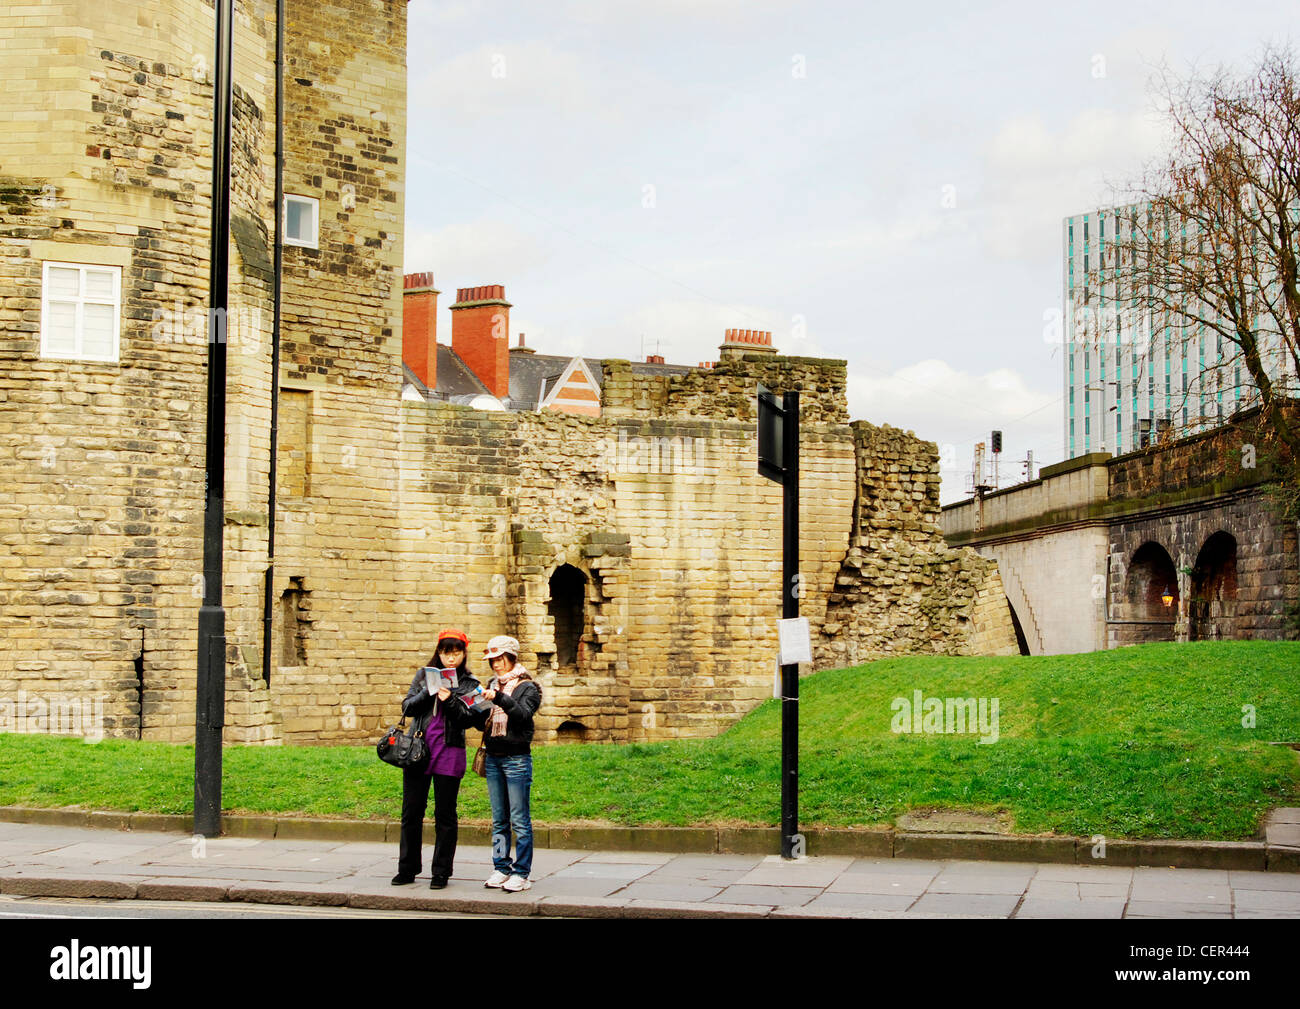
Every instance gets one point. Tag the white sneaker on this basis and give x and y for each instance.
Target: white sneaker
(516, 883)
(496, 880)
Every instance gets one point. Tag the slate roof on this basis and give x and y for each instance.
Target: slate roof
(455, 377)
(410, 378)
(527, 371)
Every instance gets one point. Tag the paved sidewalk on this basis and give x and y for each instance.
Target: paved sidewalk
(38, 859)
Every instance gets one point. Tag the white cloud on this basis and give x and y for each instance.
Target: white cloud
(500, 87)
(737, 14)
(1034, 176)
(955, 409)
(489, 250)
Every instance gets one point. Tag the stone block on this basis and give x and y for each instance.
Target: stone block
(247, 826)
(1179, 854)
(749, 840)
(864, 843)
(330, 830)
(161, 822)
(276, 893)
(986, 847)
(34, 885)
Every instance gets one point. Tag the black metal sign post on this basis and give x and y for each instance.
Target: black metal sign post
(778, 459)
(210, 695)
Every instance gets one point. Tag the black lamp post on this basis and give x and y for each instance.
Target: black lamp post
(210, 699)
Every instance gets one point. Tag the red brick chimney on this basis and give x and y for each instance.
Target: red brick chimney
(480, 334)
(420, 327)
(746, 341)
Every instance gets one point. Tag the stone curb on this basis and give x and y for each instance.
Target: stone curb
(1250, 855)
(984, 847)
(857, 842)
(66, 886)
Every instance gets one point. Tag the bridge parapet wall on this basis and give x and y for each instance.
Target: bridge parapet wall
(1203, 465)
(1066, 492)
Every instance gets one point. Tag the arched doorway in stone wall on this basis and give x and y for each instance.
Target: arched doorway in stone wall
(1212, 607)
(567, 607)
(1151, 574)
(568, 604)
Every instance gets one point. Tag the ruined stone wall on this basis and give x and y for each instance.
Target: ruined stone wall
(729, 389)
(900, 589)
(676, 536)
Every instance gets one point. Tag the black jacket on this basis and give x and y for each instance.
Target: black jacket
(456, 717)
(519, 708)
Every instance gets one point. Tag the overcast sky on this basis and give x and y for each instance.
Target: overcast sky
(880, 183)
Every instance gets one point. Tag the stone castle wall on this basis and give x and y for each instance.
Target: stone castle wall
(393, 519)
(107, 161)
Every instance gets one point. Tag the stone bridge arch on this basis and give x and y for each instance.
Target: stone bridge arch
(1212, 608)
(1235, 568)
(1049, 583)
(1028, 634)
(1140, 614)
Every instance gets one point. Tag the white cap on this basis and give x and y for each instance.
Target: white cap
(502, 644)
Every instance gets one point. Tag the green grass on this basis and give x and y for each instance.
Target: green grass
(1138, 742)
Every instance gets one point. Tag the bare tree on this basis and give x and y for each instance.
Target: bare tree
(1206, 242)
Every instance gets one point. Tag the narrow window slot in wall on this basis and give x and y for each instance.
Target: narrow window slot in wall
(294, 623)
(139, 687)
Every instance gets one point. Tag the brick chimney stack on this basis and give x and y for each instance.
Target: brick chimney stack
(746, 341)
(420, 327)
(480, 334)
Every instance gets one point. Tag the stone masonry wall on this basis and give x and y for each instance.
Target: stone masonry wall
(393, 519)
(1265, 575)
(106, 162)
(354, 552)
(728, 389)
(1232, 456)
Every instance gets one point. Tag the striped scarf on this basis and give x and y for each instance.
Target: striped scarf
(506, 683)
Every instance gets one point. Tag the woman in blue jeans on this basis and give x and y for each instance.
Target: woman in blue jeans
(507, 739)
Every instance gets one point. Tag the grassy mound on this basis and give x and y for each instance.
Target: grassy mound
(1138, 742)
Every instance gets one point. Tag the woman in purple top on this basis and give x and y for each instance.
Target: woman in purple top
(444, 717)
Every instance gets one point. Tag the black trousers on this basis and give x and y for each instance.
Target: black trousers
(415, 800)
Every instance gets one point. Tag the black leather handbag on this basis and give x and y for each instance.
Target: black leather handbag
(404, 749)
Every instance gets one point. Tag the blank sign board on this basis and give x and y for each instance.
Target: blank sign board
(796, 641)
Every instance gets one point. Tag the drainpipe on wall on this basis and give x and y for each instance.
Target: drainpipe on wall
(268, 601)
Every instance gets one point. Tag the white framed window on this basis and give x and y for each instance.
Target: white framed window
(81, 311)
(301, 221)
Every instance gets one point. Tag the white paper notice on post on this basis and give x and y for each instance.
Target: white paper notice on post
(796, 641)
